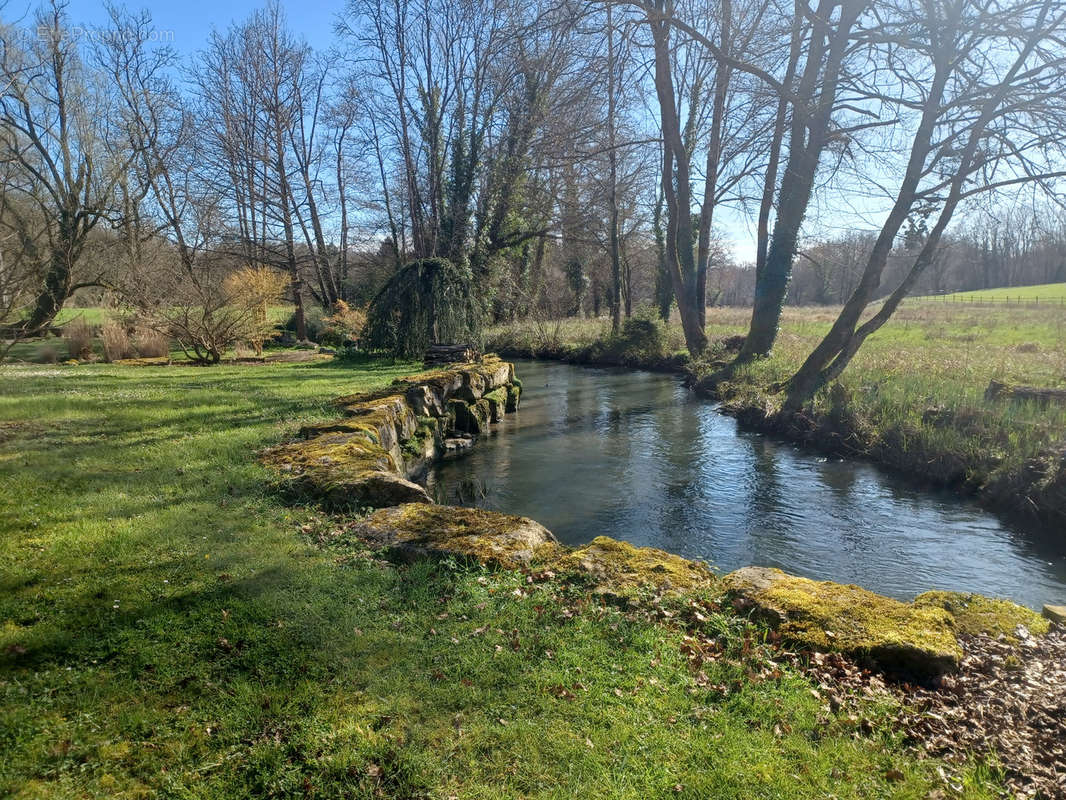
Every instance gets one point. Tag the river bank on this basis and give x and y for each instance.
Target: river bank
(912, 402)
(171, 627)
(949, 642)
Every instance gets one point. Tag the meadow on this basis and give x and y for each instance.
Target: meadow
(171, 629)
(1039, 293)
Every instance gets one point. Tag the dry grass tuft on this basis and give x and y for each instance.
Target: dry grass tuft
(78, 335)
(151, 344)
(116, 342)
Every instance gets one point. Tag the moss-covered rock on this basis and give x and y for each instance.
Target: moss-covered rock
(622, 569)
(975, 614)
(514, 397)
(389, 436)
(467, 417)
(497, 404)
(423, 446)
(419, 530)
(342, 470)
(903, 638)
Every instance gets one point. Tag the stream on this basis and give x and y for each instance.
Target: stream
(636, 456)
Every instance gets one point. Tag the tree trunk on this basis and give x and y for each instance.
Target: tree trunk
(714, 159)
(285, 198)
(807, 140)
(680, 260)
(811, 376)
(57, 284)
(612, 160)
(664, 290)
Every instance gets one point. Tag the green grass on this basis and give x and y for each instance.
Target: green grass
(92, 315)
(96, 315)
(1052, 292)
(170, 629)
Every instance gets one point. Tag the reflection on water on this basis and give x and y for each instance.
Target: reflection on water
(634, 456)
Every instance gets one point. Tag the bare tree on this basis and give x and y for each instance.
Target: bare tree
(721, 94)
(987, 82)
(58, 127)
(252, 82)
(813, 105)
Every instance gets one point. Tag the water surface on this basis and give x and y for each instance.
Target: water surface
(636, 456)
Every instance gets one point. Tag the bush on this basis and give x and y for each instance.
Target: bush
(116, 342)
(255, 289)
(151, 344)
(343, 326)
(78, 335)
(643, 339)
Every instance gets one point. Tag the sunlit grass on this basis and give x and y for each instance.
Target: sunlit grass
(1054, 293)
(169, 629)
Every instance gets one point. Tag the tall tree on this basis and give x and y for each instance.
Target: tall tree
(726, 123)
(986, 120)
(67, 152)
(812, 107)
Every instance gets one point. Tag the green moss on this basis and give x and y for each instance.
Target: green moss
(490, 368)
(350, 453)
(975, 614)
(514, 398)
(621, 568)
(467, 417)
(822, 615)
(418, 445)
(497, 403)
(419, 529)
(340, 426)
(331, 469)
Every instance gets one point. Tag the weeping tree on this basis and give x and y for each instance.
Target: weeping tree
(429, 300)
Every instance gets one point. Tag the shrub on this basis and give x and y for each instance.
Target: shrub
(642, 339)
(79, 338)
(255, 289)
(243, 351)
(151, 344)
(206, 309)
(116, 342)
(343, 326)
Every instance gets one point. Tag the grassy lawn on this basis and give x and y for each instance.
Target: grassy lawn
(1053, 292)
(95, 315)
(170, 629)
(91, 315)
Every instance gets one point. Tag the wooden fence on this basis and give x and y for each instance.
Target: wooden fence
(989, 300)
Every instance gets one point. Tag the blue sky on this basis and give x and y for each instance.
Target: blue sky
(192, 20)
